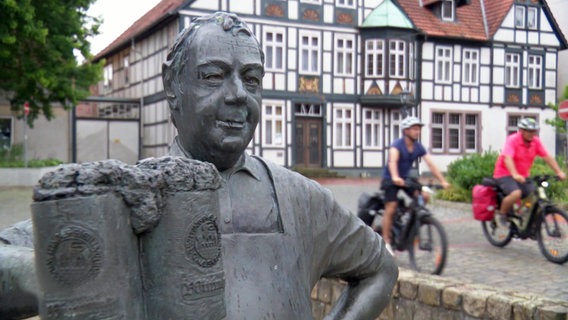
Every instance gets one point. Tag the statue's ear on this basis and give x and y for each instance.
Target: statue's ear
(169, 86)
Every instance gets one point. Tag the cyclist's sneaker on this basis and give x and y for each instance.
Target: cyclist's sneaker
(502, 220)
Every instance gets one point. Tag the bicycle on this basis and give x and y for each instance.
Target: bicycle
(537, 218)
(414, 228)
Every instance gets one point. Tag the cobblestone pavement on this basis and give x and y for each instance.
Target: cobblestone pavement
(518, 267)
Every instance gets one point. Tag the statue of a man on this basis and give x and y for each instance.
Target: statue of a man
(280, 232)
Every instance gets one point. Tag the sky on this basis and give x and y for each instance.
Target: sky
(118, 15)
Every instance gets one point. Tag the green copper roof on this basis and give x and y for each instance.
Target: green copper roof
(387, 14)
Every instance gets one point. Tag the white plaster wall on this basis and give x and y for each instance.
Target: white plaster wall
(560, 7)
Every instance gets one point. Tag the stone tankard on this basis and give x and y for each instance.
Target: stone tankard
(114, 241)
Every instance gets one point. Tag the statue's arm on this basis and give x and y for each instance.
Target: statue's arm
(367, 298)
(356, 254)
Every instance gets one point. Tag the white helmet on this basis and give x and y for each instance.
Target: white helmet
(409, 122)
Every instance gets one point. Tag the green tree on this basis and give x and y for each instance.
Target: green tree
(39, 41)
(558, 124)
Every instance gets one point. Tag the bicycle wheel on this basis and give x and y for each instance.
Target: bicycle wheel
(552, 235)
(496, 234)
(429, 249)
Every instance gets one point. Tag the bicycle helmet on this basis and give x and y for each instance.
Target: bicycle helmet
(409, 122)
(528, 124)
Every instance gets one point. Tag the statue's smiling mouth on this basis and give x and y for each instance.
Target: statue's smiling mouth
(231, 124)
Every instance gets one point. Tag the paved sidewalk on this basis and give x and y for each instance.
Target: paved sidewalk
(517, 267)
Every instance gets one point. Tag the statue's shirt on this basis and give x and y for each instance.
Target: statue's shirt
(284, 233)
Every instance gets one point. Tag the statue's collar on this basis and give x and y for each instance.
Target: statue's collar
(245, 162)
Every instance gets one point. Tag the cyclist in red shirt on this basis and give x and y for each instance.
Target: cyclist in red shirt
(514, 164)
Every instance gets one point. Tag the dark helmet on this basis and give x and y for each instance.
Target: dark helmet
(528, 124)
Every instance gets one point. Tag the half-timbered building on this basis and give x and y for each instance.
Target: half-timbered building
(336, 71)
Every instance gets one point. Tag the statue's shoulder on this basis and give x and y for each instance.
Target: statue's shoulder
(285, 175)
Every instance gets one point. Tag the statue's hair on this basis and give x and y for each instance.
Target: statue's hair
(176, 59)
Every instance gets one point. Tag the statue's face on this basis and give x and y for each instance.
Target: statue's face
(220, 103)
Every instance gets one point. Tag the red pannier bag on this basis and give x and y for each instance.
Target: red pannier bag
(484, 202)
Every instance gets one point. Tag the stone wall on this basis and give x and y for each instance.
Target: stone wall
(425, 297)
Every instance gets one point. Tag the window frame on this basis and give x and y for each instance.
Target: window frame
(274, 45)
(310, 49)
(534, 69)
(445, 127)
(375, 125)
(344, 55)
(399, 57)
(375, 52)
(510, 68)
(311, 1)
(472, 66)
(533, 26)
(344, 125)
(395, 120)
(443, 5)
(274, 118)
(107, 76)
(443, 64)
(345, 4)
(520, 12)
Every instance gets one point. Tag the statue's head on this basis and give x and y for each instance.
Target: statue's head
(213, 84)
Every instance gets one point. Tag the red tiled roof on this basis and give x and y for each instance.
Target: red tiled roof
(469, 20)
(496, 12)
(161, 11)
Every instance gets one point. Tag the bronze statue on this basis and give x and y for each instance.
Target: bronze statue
(265, 235)
(281, 232)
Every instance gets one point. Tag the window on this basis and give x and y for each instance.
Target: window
(309, 52)
(396, 58)
(371, 128)
(345, 3)
(342, 123)
(5, 133)
(126, 63)
(438, 132)
(455, 132)
(513, 121)
(273, 124)
(448, 10)
(375, 58)
(273, 43)
(471, 127)
(512, 70)
(519, 16)
(535, 72)
(410, 61)
(470, 66)
(344, 55)
(308, 110)
(395, 124)
(107, 82)
(311, 1)
(532, 14)
(443, 64)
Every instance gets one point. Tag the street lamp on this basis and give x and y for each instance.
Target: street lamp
(404, 100)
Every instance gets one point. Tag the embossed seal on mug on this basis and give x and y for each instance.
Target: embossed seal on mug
(74, 255)
(203, 242)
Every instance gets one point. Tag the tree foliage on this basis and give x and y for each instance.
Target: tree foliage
(558, 124)
(39, 40)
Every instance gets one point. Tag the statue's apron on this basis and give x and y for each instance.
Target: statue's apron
(266, 273)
